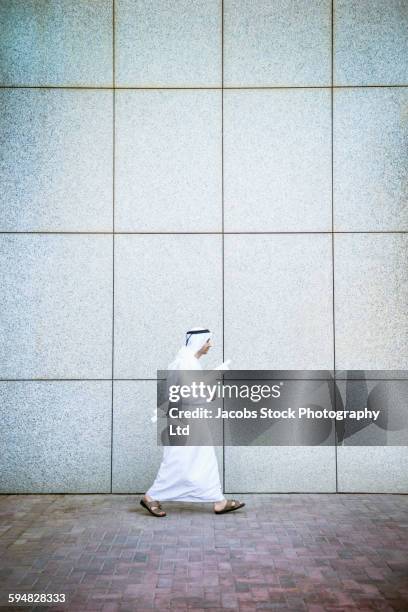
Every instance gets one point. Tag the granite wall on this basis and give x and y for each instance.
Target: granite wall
(169, 163)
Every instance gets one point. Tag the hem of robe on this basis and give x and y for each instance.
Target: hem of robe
(184, 498)
(174, 481)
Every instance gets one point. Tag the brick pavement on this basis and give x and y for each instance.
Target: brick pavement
(304, 552)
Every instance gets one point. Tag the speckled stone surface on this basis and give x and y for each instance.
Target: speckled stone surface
(371, 296)
(55, 436)
(278, 307)
(167, 43)
(55, 306)
(277, 160)
(285, 42)
(287, 468)
(380, 469)
(370, 42)
(370, 169)
(168, 161)
(136, 454)
(56, 160)
(301, 553)
(164, 284)
(271, 298)
(56, 42)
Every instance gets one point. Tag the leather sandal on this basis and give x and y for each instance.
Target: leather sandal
(154, 507)
(230, 506)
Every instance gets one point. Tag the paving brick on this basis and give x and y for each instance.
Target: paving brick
(306, 553)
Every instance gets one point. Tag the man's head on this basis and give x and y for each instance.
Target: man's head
(199, 340)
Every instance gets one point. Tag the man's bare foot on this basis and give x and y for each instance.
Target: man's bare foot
(152, 506)
(220, 505)
(227, 505)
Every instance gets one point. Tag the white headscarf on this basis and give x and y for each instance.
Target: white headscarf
(195, 339)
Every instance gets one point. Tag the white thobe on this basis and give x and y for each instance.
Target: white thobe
(188, 473)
